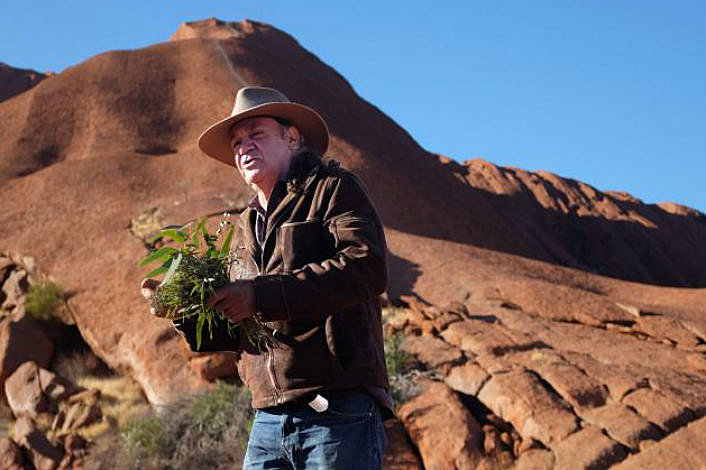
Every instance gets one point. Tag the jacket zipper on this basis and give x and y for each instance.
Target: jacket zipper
(261, 268)
(270, 352)
(271, 373)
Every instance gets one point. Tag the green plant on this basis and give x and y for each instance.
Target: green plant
(43, 299)
(205, 431)
(144, 435)
(193, 272)
(396, 359)
(209, 412)
(402, 369)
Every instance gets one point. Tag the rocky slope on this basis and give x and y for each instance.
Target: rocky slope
(552, 273)
(14, 81)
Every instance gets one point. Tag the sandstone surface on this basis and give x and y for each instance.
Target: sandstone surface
(445, 432)
(683, 449)
(587, 449)
(24, 391)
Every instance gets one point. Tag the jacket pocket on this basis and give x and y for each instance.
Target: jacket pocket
(300, 243)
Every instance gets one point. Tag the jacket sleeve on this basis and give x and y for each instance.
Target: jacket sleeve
(219, 341)
(357, 270)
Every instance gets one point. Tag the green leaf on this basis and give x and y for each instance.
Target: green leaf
(176, 235)
(225, 247)
(162, 254)
(206, 235)
(199, 328)
(172, 269)
(195, 233)
(159, 270)
(210, 326)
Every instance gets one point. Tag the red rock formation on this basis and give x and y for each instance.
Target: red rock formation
(14, 81)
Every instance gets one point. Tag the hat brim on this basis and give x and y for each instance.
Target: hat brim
(215, 141)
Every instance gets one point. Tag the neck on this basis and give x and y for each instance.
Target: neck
(264, 197)
(264, 191)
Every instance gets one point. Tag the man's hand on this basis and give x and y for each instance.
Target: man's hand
(236, 301)
(147, 289)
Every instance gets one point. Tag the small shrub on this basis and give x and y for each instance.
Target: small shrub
(205, 431)
(400, 369)
(143, 435)
(210, 412)
(43, 299)
(396, 360)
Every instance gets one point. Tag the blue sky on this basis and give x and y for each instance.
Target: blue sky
(612, 93)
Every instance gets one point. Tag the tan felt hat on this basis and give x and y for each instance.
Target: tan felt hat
(254, 101)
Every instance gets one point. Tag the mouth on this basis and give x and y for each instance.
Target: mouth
(247, 160)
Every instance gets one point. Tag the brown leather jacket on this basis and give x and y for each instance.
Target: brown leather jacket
(317, 281)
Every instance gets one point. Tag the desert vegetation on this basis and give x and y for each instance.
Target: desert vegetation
(43, 298)
(209, 430)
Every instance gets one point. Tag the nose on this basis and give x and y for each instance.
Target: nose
(243, 147)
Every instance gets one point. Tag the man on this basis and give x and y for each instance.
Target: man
(313, 246)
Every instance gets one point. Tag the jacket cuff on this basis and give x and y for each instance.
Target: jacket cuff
(270, 298)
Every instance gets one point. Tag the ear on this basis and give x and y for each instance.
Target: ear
(293, 137)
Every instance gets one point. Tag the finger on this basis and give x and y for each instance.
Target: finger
(233, 314)
(217, 296)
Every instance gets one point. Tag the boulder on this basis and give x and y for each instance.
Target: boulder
(212, 366)
(574, 385)
(467, 378)
(42, 453)
(658, 409)
(520, 398)
(497, 447)
(13, 289)
(81, 414)
(10, 455)
(587, 449)
(89, 396)
(622, 424)
(683, 449)
(535, 459)
(22, 340)
(443, 429)
(400, 453)
(55, 388)
(24, 391)
(430, 351)
(478, 337)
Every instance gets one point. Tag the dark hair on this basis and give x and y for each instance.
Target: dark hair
(303, 162)
(282, 121)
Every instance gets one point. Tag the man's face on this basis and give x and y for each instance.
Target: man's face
(262, 150)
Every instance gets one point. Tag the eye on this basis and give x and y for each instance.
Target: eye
(257, 134)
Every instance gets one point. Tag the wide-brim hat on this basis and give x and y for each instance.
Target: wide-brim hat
(261, 101)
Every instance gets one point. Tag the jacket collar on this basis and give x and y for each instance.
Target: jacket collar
(276, 213)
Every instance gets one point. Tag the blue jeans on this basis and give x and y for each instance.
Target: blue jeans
(348, 435)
